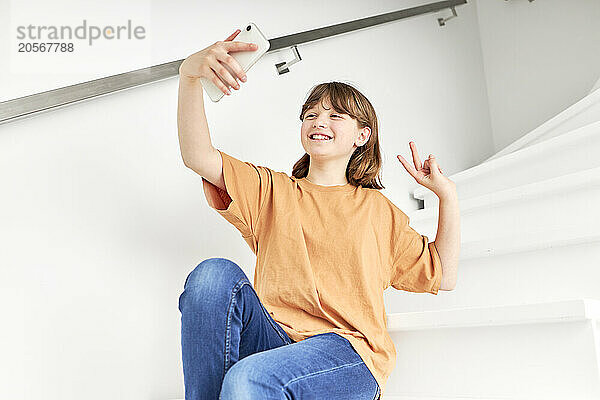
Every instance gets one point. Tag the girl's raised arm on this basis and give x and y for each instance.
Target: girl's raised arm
(196, 148)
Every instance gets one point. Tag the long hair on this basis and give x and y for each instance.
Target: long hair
(365, 163)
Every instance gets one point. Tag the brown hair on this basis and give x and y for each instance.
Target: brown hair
(365, 163)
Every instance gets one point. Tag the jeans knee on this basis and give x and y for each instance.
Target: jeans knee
(214, 271)
(210, 284)
(235, 384)
(244, 380)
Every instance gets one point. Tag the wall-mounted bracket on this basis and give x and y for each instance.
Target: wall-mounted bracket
(282, 67)
(442, 21)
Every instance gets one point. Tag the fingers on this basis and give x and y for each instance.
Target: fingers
(408, 167)
(218, 82)
(415, 155)
(426, 165)
(232, 73)
(434, 164)
(233, 35)
(226, 68)
(234, 65)
(223, 75)
(430, 165)
(233, 46)
(226, 58)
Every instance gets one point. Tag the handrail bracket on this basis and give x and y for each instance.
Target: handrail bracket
(283, 67)
(442, 21)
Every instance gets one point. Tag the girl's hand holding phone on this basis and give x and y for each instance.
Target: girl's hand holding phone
(208, 63)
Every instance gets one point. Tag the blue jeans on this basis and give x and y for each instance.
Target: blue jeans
(233, 349)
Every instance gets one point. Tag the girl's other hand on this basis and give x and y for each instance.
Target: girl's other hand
(429, 174)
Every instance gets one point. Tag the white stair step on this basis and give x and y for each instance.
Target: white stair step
(556, 212)
(521, 351)
(566, 154)
(584, 112)
(570, 310)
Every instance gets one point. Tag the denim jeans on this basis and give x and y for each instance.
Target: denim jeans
(233, 349)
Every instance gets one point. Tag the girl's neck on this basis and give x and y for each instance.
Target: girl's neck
(339, 184)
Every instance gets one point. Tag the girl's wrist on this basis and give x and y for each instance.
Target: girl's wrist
(448, 194)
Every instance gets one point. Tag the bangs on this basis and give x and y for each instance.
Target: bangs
(342, 100)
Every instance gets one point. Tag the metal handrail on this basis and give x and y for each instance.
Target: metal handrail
(21, 107)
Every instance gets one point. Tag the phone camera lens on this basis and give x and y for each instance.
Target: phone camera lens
(248, 27)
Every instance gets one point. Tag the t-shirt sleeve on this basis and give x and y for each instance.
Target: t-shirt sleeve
(416, 264)
(247, 186)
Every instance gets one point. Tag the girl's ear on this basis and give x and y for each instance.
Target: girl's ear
(367, 132)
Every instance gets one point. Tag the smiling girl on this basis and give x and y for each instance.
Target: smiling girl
(327, 241)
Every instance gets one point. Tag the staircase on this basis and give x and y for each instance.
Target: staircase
(526, 324)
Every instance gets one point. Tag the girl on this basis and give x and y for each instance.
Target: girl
(327, 242)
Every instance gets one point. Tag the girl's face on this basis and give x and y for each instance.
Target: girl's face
(341, 128)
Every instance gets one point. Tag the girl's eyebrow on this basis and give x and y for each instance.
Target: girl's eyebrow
(330, 110)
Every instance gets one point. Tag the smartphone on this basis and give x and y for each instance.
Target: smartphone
(249, 34)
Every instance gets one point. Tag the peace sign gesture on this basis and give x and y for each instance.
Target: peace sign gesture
(429, 174)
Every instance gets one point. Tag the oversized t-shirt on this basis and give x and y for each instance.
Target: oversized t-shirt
(325, 254)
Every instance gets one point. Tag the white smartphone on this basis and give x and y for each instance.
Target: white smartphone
(249, 34)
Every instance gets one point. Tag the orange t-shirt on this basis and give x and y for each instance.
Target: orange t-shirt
(325, 254)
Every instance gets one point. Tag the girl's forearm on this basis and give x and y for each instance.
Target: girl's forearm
(447, 240)
(194, 136)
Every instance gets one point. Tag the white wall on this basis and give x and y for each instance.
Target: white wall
(101, 222)
(539, 58)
